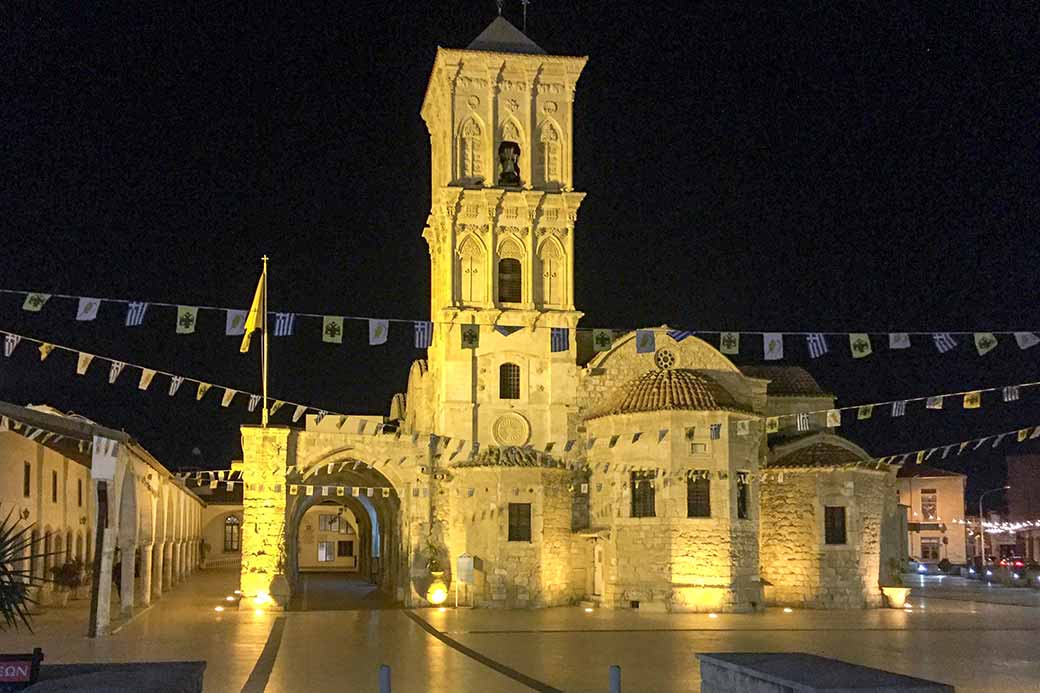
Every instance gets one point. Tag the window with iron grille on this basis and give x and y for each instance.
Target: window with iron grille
(519, 522)
(698, 495)
(834, 524)
(232, 534)
(743, 490)
(27, 480)
(509, 381)
(929, 504)
(509, 280)
(643, 494)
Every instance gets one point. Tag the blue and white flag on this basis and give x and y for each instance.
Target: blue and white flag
(1011, 393)
(772, 346)
(898, 408)
(943, 341)
(175, 384)
(10, 342)
(506, 330)
(283, 324)
(114, 370)
(320, 415)
(423, 334)
(817, 344)
(559, 339)
(135, 311)
(646, 342)
(715, 431)
(87, 309)
(679, 335)
(254, 400)
(802, 421)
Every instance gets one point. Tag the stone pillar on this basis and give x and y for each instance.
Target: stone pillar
(126, 579)
(144, 584)
(264, 452)
(167, 579)
(157, 570)
(178, 562)
(104, 610)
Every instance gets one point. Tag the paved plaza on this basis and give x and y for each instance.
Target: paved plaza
(975, 646)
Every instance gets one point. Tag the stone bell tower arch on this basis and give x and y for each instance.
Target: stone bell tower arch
(501, 238)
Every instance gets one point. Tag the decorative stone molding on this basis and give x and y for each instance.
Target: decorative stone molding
(511, 429)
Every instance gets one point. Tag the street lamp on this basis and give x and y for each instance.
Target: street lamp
(982, 529)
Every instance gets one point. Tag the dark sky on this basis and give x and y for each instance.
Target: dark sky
(817, 166)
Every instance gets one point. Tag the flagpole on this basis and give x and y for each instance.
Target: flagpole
(263, 357)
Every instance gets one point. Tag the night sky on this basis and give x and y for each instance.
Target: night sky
(818, 167)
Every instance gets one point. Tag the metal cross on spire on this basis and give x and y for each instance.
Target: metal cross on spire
(525, 3)
(499, 3)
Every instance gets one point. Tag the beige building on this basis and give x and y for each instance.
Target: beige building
(561, 465)
(152, 536)
(935, 502)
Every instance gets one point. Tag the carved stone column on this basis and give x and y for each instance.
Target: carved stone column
(264, 456)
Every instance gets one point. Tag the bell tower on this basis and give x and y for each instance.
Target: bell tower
(501, 238)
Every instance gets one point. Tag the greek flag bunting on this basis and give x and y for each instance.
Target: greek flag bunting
(898, 408)
(802, 421)
(10, 343)
(83, 363)
(859, 344)
(679, 335)
(833, 418)
(283, 324)
(34, 303)
(972, 400)
(1011, 393)
(229, 395)
(1026, 339)
(773, 424)
(817, 344)
(602, 340)
(146, 378)
(715, 431)
(864, 412)
(319, 417)
(135, 311)
(202, 390)
(985, 342)
(186, 318)
(944, 341)
(772, 346)
(235, 323)
(298, 412)
(423, 334)
(559, 339)
(175, 384)
(45, 350)
(934, 402)
(646, 342)
(114, 370)
(470, 335)
(729, 343)
(332, 329)
(743, 427)
(254, 400)
(87, 309)
(378, 331)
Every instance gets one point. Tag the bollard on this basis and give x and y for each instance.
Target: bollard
(615, 678)
(384, 679)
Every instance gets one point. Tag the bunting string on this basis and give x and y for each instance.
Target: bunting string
(816, 343)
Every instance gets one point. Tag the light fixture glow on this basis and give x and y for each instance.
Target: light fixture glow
(971, 571)
(1014, 575)
(922, 569)
(442, 609)
(262, 597)
(258, 612)
(588, 609)
(989, 573)
(230, 599)
(713, 615)
(788, 609)
(218, 608)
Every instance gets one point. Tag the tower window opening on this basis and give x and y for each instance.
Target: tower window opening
(509, 280)
(509, 381)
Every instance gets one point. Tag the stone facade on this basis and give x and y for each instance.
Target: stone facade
(523, 451)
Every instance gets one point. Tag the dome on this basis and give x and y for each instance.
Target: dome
(669, 389)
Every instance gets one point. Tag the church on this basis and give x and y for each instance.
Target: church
(532, 464)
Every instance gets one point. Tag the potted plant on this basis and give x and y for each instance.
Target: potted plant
(892, 585)
(66, 577)
(18, 585)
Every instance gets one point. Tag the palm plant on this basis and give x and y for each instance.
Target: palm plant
(18, 551)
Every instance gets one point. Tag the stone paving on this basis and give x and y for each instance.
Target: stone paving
(972, 645)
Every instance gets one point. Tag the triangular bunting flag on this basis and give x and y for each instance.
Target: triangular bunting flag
(602, 340)
(146, 378)
(175, 384)
(254, 400)
(201, 392)
(114, 370)
(559, 339)
(83, 363)
(299, 411)
(772, 424)
(229, 395)
(1026, 340)
(135, 311)
(646, 342)
(235, 323)
(10, 343)
(45, 350)
(506, 330)
(865, 412)
(470, 335)
(423, 334)
(985, 342)
(276, 406)
(934, 402)
(972, 400)
(898, 340)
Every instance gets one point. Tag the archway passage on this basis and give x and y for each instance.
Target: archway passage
(339, 553)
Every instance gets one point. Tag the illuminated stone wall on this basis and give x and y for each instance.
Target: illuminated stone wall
(263, 506)
(802, 569)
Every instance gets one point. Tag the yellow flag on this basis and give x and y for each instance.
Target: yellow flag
(255, 319)
(972, 400)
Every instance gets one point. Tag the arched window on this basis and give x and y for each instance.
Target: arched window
(551, 282)
(510, 272)
(471, 272)
(509, 381)
(470, 164)
(550, 145)
(232, 534)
